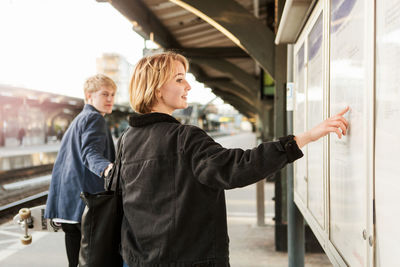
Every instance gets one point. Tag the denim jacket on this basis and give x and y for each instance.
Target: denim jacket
(86, 150)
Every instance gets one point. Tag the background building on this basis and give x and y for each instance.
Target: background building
(119, 69)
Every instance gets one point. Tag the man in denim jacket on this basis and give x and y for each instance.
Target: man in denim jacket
(85, 157)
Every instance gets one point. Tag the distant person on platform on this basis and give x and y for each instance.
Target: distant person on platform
(85, 158)
(116, 130)
(21, 135)
(59, 134)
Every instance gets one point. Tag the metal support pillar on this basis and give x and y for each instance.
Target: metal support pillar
(296, 245)
(45, 128)
(280, 130)
(2, 131)
(260, 196)
(260, 203)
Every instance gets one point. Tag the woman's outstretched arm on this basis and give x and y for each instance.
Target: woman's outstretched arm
(337, 124)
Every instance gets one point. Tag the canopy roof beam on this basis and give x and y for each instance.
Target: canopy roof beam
(235, 22)
(246, 80)
(213, 52)
(236, 102)
(224, 84)
(145, 22)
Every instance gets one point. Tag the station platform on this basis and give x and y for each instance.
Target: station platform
(17, 157)
(250, 245)
(28, 150)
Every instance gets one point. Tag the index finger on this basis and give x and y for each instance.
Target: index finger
(341, 113)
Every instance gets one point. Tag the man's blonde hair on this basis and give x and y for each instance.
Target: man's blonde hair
(94, 83)
(149, 75)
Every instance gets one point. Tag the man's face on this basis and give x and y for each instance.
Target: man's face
(102, 100)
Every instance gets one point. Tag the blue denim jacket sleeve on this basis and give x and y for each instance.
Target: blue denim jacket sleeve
(93, 140)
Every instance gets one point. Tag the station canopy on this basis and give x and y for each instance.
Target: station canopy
(226, 41)
(15, 96)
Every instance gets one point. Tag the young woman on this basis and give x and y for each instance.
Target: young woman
(173, 176)
(86, 155)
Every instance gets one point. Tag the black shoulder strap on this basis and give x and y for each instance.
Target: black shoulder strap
(117, 165)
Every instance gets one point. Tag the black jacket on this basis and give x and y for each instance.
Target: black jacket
(173, 181)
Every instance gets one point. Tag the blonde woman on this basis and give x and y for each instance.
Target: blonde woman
(173, 176)
(86, 155)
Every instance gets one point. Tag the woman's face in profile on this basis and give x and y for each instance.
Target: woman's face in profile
(173, 94)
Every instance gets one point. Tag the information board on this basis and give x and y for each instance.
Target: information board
(387, 145)
(348, 161)
(315, 115)
(300, 165)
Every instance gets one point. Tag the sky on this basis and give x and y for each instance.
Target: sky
(52, 45)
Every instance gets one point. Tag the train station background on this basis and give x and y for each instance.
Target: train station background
(259, 69)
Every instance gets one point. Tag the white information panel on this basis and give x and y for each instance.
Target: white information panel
(348, 161)
(387, 143)
(300, 165)
(315, 78)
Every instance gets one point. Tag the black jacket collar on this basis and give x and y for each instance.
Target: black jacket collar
(139, 120)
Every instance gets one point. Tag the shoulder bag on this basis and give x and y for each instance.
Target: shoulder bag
(101, 222)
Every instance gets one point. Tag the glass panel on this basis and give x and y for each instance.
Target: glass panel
(315, 78)
(348, 161)
(387, 145)
(300, 167)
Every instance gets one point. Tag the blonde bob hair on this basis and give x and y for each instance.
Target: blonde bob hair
(149, 75)
(94, 84)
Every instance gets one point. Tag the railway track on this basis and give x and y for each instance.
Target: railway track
(20, 188)
(12, 175)
(8, 211)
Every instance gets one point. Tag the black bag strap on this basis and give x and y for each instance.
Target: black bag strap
(109, 179)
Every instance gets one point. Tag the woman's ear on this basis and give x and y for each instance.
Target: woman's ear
(158, 94)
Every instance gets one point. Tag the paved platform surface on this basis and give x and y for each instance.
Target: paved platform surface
(253, 246)
(250, 245)
(12, 158)
(13, 151)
